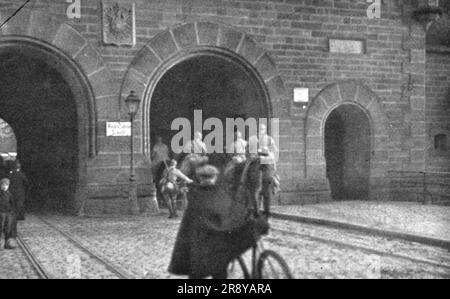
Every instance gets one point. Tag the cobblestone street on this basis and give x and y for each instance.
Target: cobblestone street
(140, 247)
(408, 217)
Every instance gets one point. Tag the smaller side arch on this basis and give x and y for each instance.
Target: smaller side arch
(331, 97)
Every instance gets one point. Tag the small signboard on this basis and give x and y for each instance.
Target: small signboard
(301, 95)
(117, 129)
(346, 46)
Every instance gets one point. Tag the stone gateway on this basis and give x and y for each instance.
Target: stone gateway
(378, 102)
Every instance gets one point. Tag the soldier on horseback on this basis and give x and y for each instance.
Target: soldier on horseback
(265, 146)
(196, 146)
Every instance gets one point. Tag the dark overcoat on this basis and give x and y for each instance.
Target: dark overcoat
(214, 231)
(3, 172)
(18, 188)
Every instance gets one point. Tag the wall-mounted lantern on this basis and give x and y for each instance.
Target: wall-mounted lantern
(427, 12)
(301, 97)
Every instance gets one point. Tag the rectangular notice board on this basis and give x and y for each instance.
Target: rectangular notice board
(118, 129)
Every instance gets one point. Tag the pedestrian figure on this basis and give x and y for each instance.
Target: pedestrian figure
(170, 187)
(160, 158)
(19, 189)
(7, 221)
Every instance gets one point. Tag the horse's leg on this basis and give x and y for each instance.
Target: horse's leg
(254, 184)
(168, 200)
(173, 198)
(266, 198)
(267, 191)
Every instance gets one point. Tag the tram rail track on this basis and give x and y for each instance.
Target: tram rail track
(36, 265)
(121, 274)
(429, 241)
(375, 251)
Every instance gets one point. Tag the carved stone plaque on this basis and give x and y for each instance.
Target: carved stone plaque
(119, 24)
(346, 46)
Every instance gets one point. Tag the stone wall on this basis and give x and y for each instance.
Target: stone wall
(285, 43)
(438, 109)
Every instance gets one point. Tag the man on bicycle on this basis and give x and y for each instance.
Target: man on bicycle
(218, 225)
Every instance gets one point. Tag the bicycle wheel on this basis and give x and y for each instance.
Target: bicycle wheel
(237, 269)
(272, 266)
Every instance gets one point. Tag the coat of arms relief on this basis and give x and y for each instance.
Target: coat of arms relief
(118, 23)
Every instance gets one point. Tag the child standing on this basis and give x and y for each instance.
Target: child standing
(6, 214)
(18, 189)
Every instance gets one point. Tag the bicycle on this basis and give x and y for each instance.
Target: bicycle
(263, 267)
(265, 264)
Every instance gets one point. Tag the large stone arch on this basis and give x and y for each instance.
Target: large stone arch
(185, 41)
(331, 97)
(33, 31)
(36, 25)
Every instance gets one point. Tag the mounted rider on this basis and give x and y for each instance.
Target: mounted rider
(265, 146)
(238, 148)
(196, 146)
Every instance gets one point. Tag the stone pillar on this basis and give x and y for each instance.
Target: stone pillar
(413, 95)
(408, 129)
(316, 181)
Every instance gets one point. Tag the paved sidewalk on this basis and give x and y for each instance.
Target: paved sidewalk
(428, 221)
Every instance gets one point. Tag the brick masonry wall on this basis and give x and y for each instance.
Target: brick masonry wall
(295, 33)
(438, 109)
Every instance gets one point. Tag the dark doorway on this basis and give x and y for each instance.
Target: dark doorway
(39, 105)
(347, 152)
(220, 87)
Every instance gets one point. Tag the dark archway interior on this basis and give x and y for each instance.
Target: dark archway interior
(347, 152)
(221, 88)
(40, 107)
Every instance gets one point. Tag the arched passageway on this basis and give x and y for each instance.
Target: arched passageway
(219, 87)
(347, 152)
(49, 103)
(39, 105)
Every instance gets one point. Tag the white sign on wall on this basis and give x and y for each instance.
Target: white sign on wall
(346, 46)
(118, 129)
(301, 95)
